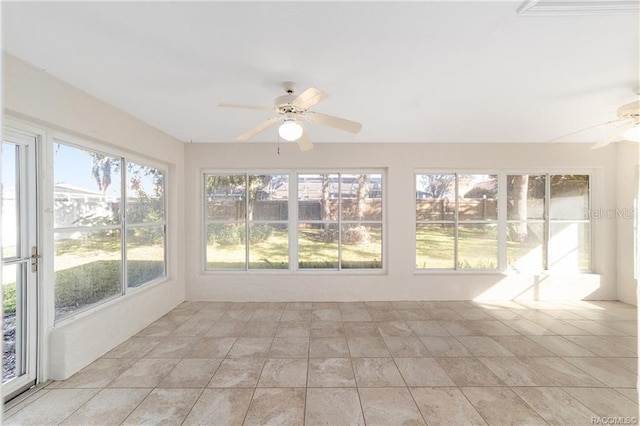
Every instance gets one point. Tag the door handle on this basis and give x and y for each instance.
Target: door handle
(35, 258)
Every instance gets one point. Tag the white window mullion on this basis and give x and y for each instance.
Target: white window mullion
(502, 222)
(123, 223)
(293, 222)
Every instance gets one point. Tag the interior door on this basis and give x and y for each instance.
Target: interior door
(19, 262)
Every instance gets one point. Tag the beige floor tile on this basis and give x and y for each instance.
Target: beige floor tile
(172, 347)
(21, 401)
(294, 329)
(602, 347)
(627, 327)
(326, 315)
(513, 372)
(145, 373)
(445, 314)
(444, 346)
(226, 329)
(415, 314)
(328, 347)
(333, 406)
(394, 328)
(460, 328)
(51, 408)
(406, 347)
(445, 406)
(284, 373)
(405, 304)
(560, 327)
(211, 347)
(279, 406)
(108, 407)
(237, 315)
(631, 393)
(606, 371)
(330, 372)
(492, 328)
(468, 372)
(483, 346)
(376, 372)
(135, 347)
(360, 329)
(629, 342)
(296, 315)
(346, 306)
(604, 402)
(630, 364)
(501, 406)
(327, 329)
(561, 372)
(164, 407)
(382, 314)
(422, 372)
(289, 347)
(555, 405)
(389, 406)
(473, 314)
(220, 407)
(522, 346)
(272, 315)
(561, 346)
(208, 314)
(367, 347)
(191, 373)
(324, 305)
(260, 329)
(159, 328)
(250, 347)
(378, 304)
(527, 327)
(237, 373)
(194, 327)
(98, 374)
(595, 327)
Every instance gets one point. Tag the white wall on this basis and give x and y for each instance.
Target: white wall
(400, 282)
(627, 191)
(38, 99)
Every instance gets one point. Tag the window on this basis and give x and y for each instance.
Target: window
(546, 226)
(96, 255)
(547, 222)
(456, 221)
(339, 221)
(336, 223)
(241, 205)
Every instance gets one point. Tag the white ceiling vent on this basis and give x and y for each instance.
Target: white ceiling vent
(578, 7)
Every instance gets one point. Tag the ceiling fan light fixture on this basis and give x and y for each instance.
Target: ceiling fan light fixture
(633, 134)
(290, 130)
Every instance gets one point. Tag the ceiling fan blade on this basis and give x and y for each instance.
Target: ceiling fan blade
(613, 136)
(309, 97)
(338, 123)
(304, 143)
(584, 130)
(225, 105)
(259, 128)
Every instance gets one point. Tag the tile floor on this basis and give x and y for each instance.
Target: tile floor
(373, 363)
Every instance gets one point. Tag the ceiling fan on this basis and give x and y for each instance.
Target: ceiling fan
(625, 127)
(292, 110)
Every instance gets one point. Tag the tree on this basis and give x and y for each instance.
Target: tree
(101, 169)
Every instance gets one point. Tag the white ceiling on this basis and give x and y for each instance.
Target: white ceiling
(409, 72)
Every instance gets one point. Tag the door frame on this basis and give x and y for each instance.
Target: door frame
(24, 134)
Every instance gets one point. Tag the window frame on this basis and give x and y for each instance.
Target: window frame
(86, 144)
(503, 221)
(292, 221)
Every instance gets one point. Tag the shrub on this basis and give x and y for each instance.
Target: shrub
(232, 234)
(9, 298)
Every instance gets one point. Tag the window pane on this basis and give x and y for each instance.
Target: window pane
(525, 197)
(269, 197)
(435, 197)
(569, 196)
(362, 197)
(10, 198)
(87, 188)
(318, 197)
(361, 246)
(268, 246)
(145, 254)
(478, 197)
(88, 268)
(569, 246)
(226, 246)
(145, 194)
(435, 245)
(478, 246)
(525, 243)
(225, 197)
(318, 246)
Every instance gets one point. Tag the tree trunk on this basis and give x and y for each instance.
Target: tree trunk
(520, 191)
(326, 209)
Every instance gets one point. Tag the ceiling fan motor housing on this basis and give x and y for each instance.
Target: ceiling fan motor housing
(284, 104)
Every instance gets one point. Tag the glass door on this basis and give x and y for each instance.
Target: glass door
(19, 263)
